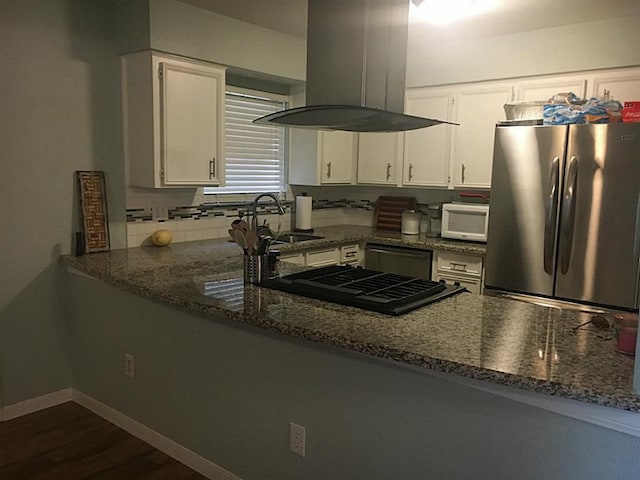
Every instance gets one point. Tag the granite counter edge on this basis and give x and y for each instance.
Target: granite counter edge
(618, 400)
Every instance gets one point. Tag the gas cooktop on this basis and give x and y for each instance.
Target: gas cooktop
(381, 292)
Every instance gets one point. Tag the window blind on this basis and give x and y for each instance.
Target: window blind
(255, 154)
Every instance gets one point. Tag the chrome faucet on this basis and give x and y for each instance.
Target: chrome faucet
(254, 220)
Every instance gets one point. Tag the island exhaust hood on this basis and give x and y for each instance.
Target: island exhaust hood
(356, 67)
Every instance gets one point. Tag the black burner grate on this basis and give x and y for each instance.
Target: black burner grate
(383, 292)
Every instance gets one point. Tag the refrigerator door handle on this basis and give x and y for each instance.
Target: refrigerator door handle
(636, 240)
(551, 215)
(568, 214)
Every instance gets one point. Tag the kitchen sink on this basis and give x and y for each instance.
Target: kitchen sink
(294, 237)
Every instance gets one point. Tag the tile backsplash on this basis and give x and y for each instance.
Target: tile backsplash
(212, 220)
(191, 215)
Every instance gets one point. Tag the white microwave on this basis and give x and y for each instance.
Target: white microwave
(465, 221)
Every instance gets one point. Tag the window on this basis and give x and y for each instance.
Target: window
(255, 154)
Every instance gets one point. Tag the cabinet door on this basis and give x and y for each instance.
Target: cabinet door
(542, 89)
(474, 285)
(377, 158)
(427, 150)
(191, 119)
(622, 85)
(336, 151)
(478, 110)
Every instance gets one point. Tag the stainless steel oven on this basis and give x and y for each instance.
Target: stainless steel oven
(412, 262)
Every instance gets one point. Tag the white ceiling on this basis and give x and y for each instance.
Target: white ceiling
(290, 16)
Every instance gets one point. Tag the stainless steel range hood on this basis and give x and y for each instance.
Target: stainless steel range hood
(356, 66)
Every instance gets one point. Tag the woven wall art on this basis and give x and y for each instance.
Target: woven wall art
(93, 211)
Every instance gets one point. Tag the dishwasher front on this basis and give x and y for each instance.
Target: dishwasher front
(412, 262)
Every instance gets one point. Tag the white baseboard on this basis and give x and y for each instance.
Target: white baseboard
(153, 438)
(35, 404)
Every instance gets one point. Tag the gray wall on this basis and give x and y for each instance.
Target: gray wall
(60, 107)
(193, 32)
(585, 46)
(228, 392)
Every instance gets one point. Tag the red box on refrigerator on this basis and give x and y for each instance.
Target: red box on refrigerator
(631, 112)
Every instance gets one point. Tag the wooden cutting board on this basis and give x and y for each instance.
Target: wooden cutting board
(388, 211)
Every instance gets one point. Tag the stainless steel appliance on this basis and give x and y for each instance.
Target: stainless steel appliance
(387, 293)
(356, 68)
(565, 213)
(465, 221)
(412, 262)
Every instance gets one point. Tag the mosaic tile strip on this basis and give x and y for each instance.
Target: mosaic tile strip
(237, 209)
(206, 210)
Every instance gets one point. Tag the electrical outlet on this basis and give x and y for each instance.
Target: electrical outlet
(297, 439)
(129, 365)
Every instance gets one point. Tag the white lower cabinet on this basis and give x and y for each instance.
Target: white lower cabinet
(295, 258)
(474, 285)
(465, 269)
(349, 254)
(322, 258)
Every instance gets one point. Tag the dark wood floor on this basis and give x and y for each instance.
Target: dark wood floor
(68, 442)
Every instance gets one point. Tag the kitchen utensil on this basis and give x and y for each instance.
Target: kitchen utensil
(251, 239)
(231, 230)
(263, 245)
(598, 321)
(238, 236)
(239, 224)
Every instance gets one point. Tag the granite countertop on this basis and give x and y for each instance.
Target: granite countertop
(343, 234)
(502, 341)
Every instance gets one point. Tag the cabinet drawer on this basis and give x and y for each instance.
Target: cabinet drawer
(296, 258)
(470, 283)
(322, 257)
(459, 262)
(349, 254)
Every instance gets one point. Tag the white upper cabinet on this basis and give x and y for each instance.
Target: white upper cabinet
(378, 158)
(321, 157)
(337, 151)
(621, 85)
(427, 150)
(478, 108)
(539, 89)
(174, 121)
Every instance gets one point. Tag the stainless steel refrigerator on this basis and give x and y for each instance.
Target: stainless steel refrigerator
(565, 213)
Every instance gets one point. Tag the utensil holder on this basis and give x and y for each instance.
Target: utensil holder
(255, 269)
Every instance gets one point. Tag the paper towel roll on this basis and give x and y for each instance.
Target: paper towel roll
(303, 212)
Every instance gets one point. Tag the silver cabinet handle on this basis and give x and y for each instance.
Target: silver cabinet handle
(568, 214)
(212, 168)
(461, 267)
(551, 215)
(410, 171)
(329, 170)
(463, 169)
(388, 171)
